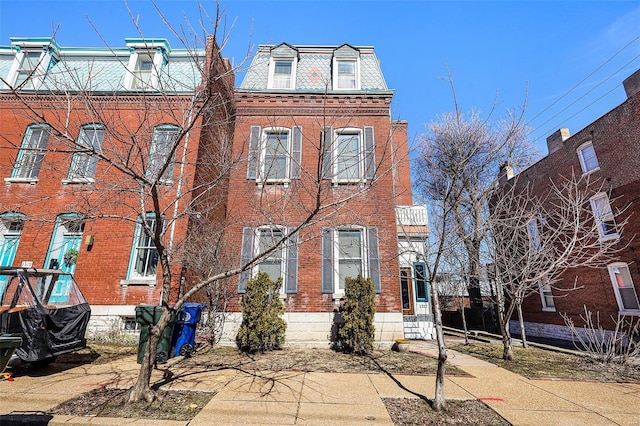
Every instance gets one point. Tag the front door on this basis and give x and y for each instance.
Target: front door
(407, 291)
(63, 255)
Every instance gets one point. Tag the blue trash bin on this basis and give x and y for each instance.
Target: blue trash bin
(184, 331)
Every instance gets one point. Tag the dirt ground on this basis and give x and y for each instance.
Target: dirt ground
(533, 363)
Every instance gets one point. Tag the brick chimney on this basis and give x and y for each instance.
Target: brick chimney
(506, 173)
(632, 84)
(555, 141)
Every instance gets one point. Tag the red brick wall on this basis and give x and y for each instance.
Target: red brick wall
(102, 266)
(250, 205)
(616, 138)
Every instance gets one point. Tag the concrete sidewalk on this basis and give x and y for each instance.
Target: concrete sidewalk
(285, 398)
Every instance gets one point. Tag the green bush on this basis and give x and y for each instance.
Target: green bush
(262, 327)
(357, 332)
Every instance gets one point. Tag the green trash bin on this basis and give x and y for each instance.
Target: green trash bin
(146, 316)
(8, 344)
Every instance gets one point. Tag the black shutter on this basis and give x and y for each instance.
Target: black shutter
(369, 153)
(327, 157)
(291, 277)
(296, 153)
(327, 260)
(246, 256)
(254, 152)
(374, 259)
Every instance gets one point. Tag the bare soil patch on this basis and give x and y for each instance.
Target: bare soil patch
(405, 411)
(537, 363)
(111, 403)
(317, 360)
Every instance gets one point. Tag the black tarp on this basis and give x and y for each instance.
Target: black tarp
(47, 329)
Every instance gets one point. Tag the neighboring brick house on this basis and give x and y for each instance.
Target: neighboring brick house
(607, 150)
(56, 199)
(313, 123)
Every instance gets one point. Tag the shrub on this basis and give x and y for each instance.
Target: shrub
(357, 332)
(262, 328)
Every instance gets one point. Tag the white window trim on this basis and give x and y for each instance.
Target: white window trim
(616, 292)
(21, 152)
(261, 176)
(335, 73)
(167, 177)
(135, 60)
(361, 148)
(337, 291)
(541, 285)
(132, 277)
(256, 251)
(89, 155)
(583, 166)
(535, 241)
(272, 68)
(39, 70)
(598, 220)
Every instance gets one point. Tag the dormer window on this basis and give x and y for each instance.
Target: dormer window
(33, 59)
(346, 68)
(145, 63)
(143, 72)
(282, 73)
(26, 70)
(346, 75)
(282, 67)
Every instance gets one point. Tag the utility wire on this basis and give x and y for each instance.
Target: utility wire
(583, 80)
(586, 93)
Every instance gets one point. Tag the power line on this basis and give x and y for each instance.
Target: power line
(587, 93)
(584, 79)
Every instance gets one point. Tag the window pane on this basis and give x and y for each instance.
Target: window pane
(348, 268)
(346, 75)
(32, 152)
(589, 159)
(350, 244)
(282, 75)
(625, 288)
(348, 156)
(272, 265)
(276, 155)
(161, 146)
(349, 255)
(146, 256)
(421, 287)
(404, 288)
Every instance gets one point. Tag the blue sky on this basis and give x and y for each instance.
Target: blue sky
(504, 51)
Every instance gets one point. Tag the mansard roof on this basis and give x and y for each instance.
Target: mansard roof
(102, 69)
(314, 68)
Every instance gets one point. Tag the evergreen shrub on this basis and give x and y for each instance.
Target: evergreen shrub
(262, 328)
(358, 310)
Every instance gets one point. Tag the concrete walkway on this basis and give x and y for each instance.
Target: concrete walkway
(300, 398)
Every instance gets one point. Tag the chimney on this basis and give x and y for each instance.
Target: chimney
(632, 84)
(506, 173)
(555, 141)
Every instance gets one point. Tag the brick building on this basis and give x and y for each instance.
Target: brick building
(313, 124)
(305, 141)
(77, 126)
(607, 151)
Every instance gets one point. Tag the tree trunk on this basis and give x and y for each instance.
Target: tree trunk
(439, 403)
(523, 336)
(142, 389)
(464, 324)
(503, 319)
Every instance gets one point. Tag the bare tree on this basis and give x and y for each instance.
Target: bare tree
(177, 194)
(536, 236)
(456, 173)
